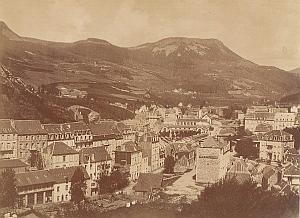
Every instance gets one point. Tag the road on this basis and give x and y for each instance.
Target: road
(185, 186)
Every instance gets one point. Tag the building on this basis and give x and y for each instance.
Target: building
(212, 160)
(148, 184)
(62, 183)
(80, 132)
(271, 176)
(106, 133)
(278, 119)
(35, 187)
(56, 133)
(273, 144)
(239, 171)
(183, 154)
(149, 142)
(284, 120)
(58, 154)
(8, 139)
(31, 137)
(291, 155)
(97, 162)
(46, 186)
(127, 132)
(252, 120)
(263, 128)
(16, 164)
(129, 154)
(291, 174)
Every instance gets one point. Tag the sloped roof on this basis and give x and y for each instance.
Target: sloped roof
(34, 178)
(53, 128)
(263, 127)
(59, 148)
(60, 175)
(99, 153)
(12, 163)
(280, 134)
(211, 142)
(75, 126)
(239, 171)
(6, 127)
(105, 128)
(227, 131)
(29, 127)
(57, 175)
(147, 182)
(129, 146)
(122, 127)
(260, 116)
(292, 171)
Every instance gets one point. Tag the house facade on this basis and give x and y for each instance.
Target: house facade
(212, 160)
(58, 155)
(97, 162)
(130, 154)
(31, 137)
(8, 139)
(273, 144)
(56, 133)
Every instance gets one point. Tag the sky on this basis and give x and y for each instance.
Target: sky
(266, 32)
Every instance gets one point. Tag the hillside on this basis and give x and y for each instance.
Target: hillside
(296, 71)
(203, 69)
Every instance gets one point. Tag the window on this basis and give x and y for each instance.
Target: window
(57, 188)
(66, 197)
(58, 198)
(67, 187)
(64, 158)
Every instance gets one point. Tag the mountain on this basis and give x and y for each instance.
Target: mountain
(296, 71)
(202, 69)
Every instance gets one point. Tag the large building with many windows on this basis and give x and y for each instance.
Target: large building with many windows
(273, 144)
(8, 139)
(31, 137)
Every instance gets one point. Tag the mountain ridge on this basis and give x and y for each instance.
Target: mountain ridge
(203, 65)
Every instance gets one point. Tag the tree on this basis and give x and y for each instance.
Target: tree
(228, 198)
(246, 148)
(8, 189)
(110, 183)
(35, 159)
(169, 164)
(296, 134)
(78, 186)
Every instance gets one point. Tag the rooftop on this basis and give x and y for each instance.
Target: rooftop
(29, 127)
(12, 163)
(147, 182)
(6, 127)
(59, 148)
(95, 154)
(102, 128)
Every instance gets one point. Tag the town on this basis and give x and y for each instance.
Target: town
(177, 151)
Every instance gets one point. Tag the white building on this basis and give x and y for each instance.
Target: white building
(212, 160)
(58, 154)
(273, 145)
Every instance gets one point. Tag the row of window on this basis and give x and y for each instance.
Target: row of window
(66, 188)
(8, 137)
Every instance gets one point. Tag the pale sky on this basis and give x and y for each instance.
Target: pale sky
(264, 31)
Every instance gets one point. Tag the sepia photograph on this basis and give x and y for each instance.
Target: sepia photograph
(149, 108)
